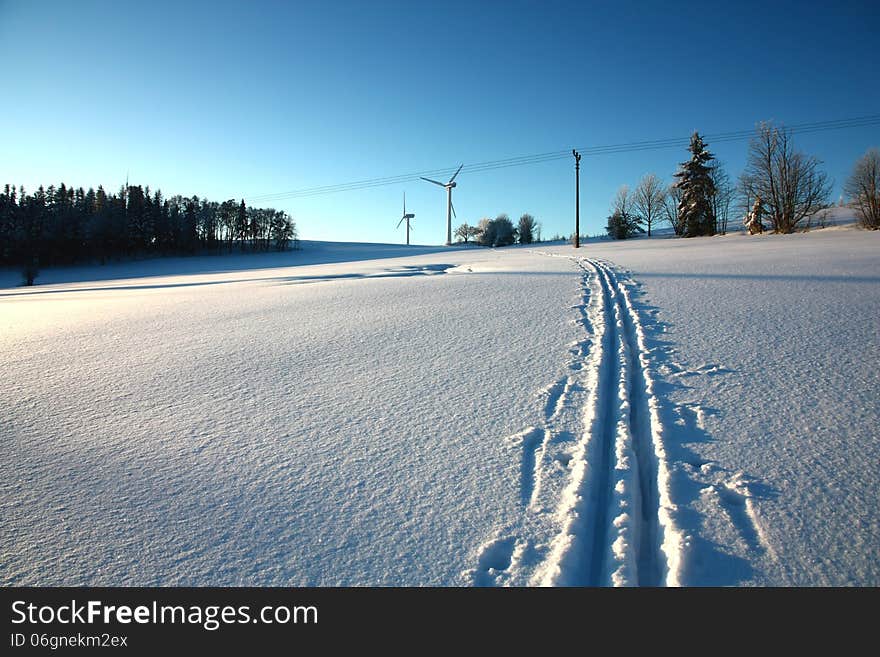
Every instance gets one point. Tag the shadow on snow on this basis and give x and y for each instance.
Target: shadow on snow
(708, 563)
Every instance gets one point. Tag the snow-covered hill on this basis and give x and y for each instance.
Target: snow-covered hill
(651, 412)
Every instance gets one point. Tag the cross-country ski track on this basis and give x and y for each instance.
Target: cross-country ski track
(657, 412)
(595, 484)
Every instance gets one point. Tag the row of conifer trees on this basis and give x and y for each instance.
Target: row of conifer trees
(61, 225)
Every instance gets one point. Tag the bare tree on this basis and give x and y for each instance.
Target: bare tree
(670, 209)
(648, 199)
(623, 201)
(863, 189)
(722, 197)
(790, 183)
(464, 232)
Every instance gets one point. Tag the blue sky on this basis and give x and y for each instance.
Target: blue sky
(232, 100)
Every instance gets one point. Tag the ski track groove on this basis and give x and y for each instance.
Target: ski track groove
(611, 520)
(556, 398)
(530, 476)
(609, 414)
(644, 496)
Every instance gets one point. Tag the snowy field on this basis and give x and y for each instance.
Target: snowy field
(683, 412)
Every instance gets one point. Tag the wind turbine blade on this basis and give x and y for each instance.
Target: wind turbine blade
(399, 222)
(404, 203)
(433, 181)
(453, 209)
(456, 173)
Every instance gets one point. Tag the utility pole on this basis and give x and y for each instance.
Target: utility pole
(577, 198)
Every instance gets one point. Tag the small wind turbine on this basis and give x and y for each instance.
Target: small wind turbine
(450, 209)
(406, 217)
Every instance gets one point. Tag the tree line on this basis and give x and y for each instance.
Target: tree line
(62, 225)
(500, 231)
(779, 184)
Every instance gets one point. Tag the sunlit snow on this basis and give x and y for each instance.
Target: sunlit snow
(657, 411)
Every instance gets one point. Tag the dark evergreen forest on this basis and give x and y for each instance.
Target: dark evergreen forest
(61, 226)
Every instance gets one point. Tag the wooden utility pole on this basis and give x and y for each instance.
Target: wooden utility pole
(577, 198)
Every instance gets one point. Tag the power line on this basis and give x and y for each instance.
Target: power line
(525, 160)
(557, 155)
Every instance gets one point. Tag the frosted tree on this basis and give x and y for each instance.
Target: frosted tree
(697, 191)
(505, 233)
(753, 219)
(497, 232)
(526, 229)
(863, 188)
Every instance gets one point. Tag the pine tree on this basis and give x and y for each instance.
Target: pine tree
(190, 236)
(622, 225)
(8, 209)
(135, 206)
(241, 224)
(695, 182)
(159, 225)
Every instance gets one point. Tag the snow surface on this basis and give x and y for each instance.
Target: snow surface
(653, 412)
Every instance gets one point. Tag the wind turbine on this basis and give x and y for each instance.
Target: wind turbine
(407, 217)
(450, 209)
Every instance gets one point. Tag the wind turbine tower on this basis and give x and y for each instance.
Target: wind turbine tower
(450, 209)
(406, 217)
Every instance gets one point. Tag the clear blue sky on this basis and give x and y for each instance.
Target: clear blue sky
(232, 100)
